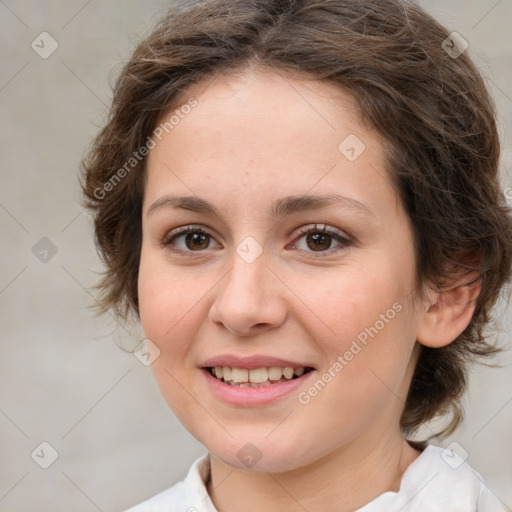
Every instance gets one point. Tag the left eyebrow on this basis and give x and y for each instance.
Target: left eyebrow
(287, 205)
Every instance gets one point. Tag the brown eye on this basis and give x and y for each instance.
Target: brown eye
(188, 239)
(320, 240)
(196, 241)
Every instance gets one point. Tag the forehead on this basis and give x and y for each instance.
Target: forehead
(263, 130)
(256, 99)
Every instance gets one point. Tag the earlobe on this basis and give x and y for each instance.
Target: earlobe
(447, 314)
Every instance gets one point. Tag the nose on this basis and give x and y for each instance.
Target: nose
(250, 298)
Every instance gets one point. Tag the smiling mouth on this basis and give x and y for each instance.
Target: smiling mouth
(256, 377)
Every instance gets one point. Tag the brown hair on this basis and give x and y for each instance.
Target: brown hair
(430, 105)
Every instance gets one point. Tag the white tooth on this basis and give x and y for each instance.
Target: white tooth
(299, 371)
(258, 375)
(239, 374)
(218, 372)
(227, 373)
(288, 372)
(244, 385)
(266, 383)
(274, 373)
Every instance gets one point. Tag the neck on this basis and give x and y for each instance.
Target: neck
(339, 481)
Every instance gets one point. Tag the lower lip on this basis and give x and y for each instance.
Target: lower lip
(248, 396)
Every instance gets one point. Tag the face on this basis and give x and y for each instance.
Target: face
(261, 280)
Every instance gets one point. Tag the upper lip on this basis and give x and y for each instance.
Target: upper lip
(251, 362)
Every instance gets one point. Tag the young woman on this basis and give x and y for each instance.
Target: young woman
(299, 200)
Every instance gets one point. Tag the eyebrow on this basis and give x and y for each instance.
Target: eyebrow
(281, 207)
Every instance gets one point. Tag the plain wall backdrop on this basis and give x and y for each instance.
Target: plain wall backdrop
(64, 380)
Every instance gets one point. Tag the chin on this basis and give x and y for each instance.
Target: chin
(259, 455)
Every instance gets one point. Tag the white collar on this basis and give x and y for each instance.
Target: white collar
(437, 481)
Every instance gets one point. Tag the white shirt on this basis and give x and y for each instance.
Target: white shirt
(437, 481)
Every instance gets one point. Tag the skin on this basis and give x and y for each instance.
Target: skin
(253, 138)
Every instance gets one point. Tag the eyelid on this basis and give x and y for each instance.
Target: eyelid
(321, 228)
(184, 230)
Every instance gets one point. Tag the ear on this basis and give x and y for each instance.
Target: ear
(447, 314)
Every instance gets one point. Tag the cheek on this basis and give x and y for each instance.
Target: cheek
(370, 334)
(167, 299)
(168, 302)
(353, 305)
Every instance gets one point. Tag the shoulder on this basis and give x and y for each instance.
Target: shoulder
(442, 480)
(439, 481)
(189, 495)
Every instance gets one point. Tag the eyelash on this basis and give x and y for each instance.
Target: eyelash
(344, 242)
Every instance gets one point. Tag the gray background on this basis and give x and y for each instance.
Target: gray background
(63, 377)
